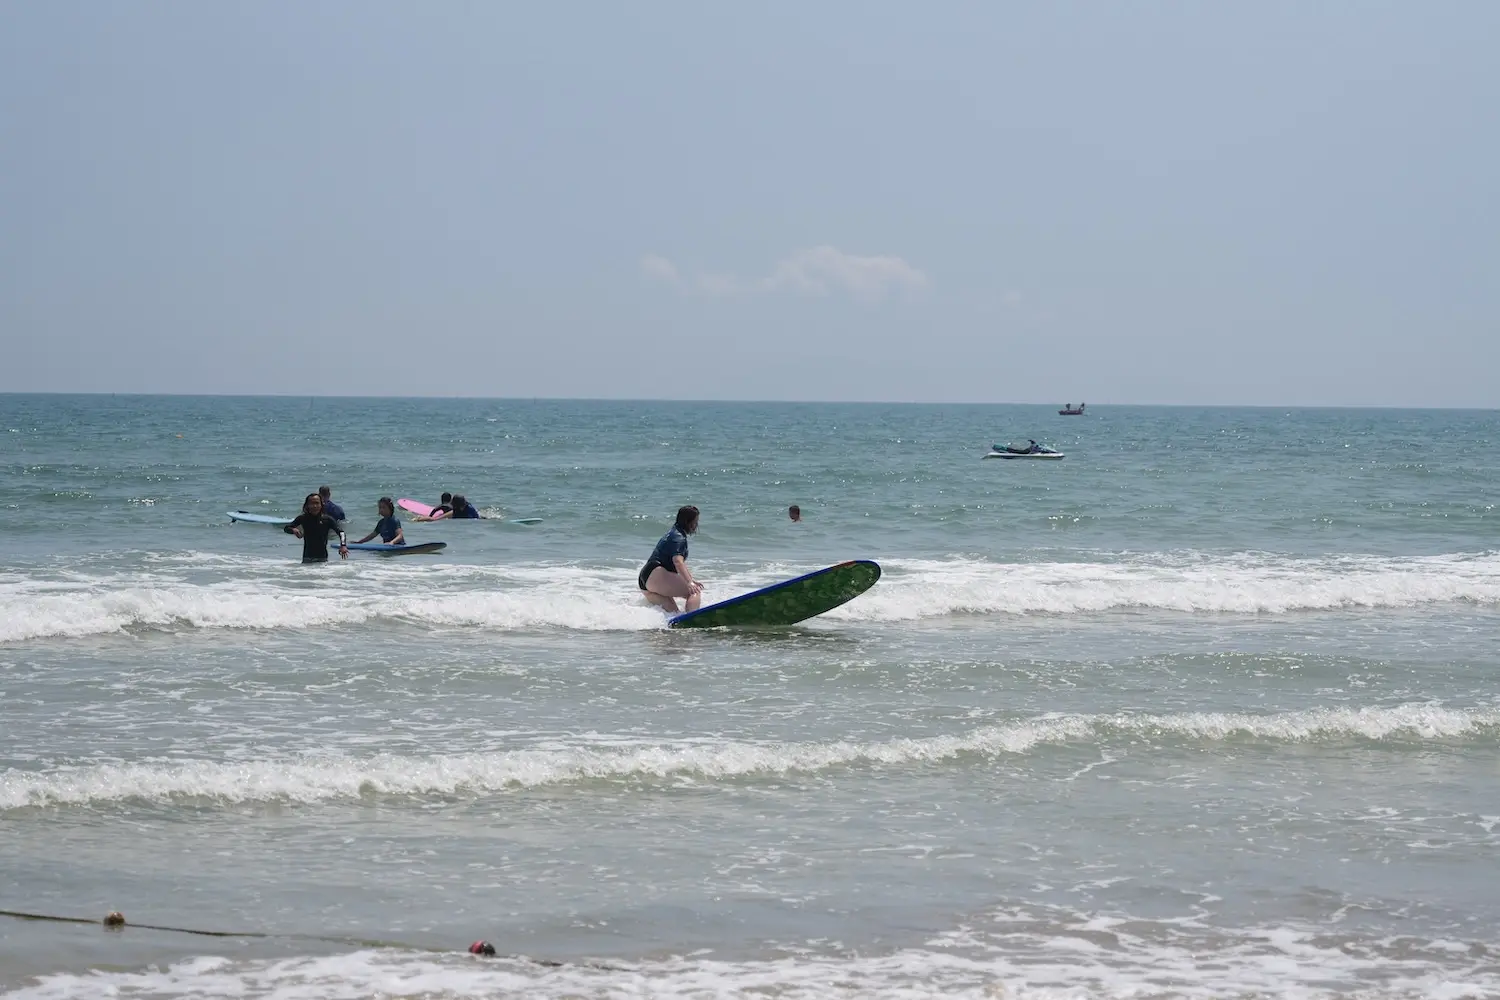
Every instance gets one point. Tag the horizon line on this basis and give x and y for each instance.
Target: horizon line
(790, 402)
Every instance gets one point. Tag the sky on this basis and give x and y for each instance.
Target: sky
(1277, 203)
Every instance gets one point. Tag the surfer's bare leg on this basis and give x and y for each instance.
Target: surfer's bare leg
(664, 584)
(661, 601)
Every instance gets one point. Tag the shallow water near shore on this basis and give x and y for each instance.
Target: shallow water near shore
(1206, 709)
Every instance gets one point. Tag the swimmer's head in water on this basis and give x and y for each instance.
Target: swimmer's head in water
(447, 498)
(687, 519)
(794, 512)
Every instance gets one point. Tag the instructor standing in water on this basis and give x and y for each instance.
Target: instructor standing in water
(313, 526)
(666, 576)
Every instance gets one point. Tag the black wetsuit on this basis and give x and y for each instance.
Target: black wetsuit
(315, 531)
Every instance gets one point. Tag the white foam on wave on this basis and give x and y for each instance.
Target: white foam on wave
(1241, 584)
(315, 779)
(272, 595)
(344, 595)
(1038, 964)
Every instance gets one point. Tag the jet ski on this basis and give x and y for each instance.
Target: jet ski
(1030, 450)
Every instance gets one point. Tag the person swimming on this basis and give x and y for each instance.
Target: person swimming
(388, 527)
(314, 526)
(666, 576)
(795, 513)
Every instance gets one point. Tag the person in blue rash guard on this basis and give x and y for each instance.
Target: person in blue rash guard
(330, 508)
(314, 526)
(462, 507)
(388, 528)
(666, 576)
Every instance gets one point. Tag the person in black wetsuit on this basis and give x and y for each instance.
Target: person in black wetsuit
(313, 526)
(443, 509)
(666, 576)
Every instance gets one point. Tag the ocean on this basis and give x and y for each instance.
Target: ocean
(1207, 709)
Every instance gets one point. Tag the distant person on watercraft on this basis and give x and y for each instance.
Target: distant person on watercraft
(388, 527)
(666, 576)
(330, 508)
(313, 526)
(795, 513)
(462, 507)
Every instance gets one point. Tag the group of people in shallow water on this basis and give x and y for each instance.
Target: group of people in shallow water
(321, 517)
(666, 578)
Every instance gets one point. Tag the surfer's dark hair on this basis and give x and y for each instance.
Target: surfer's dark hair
(686, 516)
(309, 499)
(387, 502)
(447, 497)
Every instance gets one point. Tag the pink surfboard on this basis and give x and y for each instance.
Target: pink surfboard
(420, 509)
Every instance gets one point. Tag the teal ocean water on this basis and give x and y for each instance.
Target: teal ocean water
(1206, 709)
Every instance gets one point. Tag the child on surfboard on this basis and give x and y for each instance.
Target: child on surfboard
(666, 576)
(388, 527)
(437, 513)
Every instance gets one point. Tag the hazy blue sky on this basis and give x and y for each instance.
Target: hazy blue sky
(1273, 203)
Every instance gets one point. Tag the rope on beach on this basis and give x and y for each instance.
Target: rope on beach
(115, 921)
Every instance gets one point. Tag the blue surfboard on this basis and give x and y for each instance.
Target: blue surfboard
(414, 549)
(789, 601)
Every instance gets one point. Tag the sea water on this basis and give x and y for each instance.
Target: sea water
(1209, 708)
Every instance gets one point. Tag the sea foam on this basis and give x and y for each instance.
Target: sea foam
(605, 598)
(304, 779)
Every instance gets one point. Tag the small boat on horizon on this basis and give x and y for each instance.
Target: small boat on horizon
(1069, 410)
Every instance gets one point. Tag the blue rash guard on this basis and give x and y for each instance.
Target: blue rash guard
(673, 543)
(388, 527)
(333, 510)
(469, 510)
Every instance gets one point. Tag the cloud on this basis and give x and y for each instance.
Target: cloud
(821, 270)
(660, 269)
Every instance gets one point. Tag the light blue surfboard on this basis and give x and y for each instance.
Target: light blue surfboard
(247, 516)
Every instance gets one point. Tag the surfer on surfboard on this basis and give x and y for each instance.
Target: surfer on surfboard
(666, 576)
